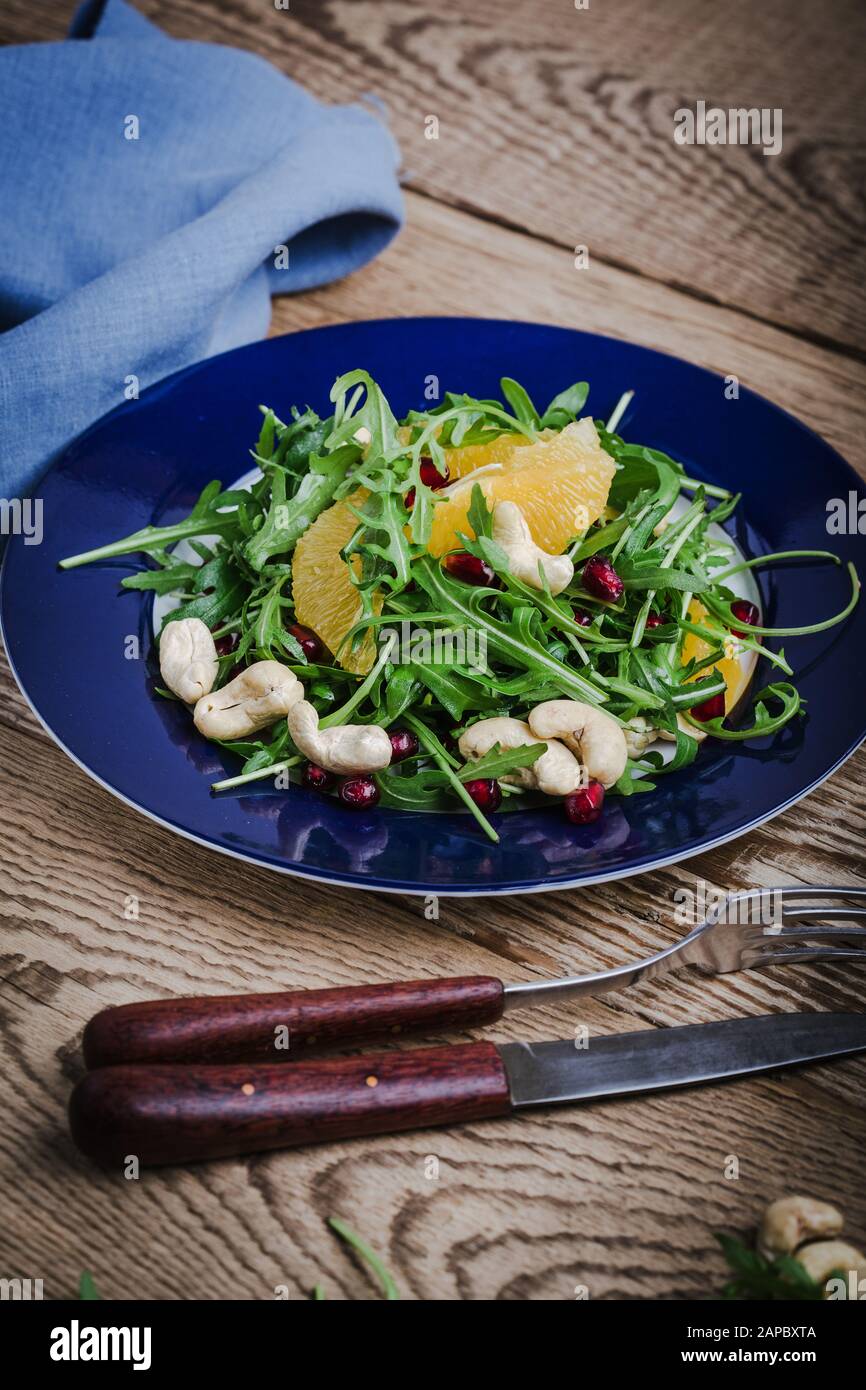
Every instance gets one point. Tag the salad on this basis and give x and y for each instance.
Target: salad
(483, 604)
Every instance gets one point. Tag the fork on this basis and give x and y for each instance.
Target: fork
(745, 931)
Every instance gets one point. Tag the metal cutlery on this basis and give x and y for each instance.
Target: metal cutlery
(746, 931)
(173, 1114)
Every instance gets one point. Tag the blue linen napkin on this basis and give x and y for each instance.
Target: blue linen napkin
(125, 256)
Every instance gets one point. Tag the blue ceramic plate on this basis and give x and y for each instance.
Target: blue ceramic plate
(67, 633)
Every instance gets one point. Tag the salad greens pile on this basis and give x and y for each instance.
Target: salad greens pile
(538, 646)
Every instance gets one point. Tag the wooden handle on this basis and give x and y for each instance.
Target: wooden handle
(282, 1027)
(168, 1114)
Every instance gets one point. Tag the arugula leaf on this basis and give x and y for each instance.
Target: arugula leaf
(213, 513)
(519, 400)
(498, 762)
(565, 407)
(287, 519)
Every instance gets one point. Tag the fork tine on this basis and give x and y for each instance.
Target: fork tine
(808, 933)
(818, 914)
(795, 892)
(762, 958)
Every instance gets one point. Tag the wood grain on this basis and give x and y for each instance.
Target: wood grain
(744, 264)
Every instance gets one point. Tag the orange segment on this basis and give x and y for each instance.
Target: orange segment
(736, 670)
(325, 597)
(560, 483)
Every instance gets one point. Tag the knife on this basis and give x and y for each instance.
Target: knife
(178, 1114)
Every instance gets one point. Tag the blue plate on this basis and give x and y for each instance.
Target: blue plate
(67, 633)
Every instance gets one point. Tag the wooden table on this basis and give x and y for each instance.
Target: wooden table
(555, 130)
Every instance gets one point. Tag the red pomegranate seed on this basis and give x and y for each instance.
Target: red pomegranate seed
(485, 792)
(318, 779)
(227, 644)
(309, 643)
(470, 569)
(655, 620)
(430, 475)
(747, 612)
(601, 579)
(583, 617)
(585, 805)
(714, 708)
(358, 792)
(404, 744)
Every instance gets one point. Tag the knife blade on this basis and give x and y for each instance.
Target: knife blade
(166, 1113)
(551, 1073)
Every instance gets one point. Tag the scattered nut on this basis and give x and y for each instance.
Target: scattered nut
(343, 749)
(525, 558)
(255, 698)
(556, 773)
(593, 736)
(188, 659)
(791, 1220)
(826, 1257)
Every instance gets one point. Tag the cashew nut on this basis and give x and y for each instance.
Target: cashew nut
(685, 728)
(791, 1220)
(188, 659)
(825, 1257)
(525, 558)
(345, 748)
(556, 773)
(254, 699)
(595, 738)
(639, 734)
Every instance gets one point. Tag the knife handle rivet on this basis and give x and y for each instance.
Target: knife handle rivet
(248, 1088)
(372, 1080)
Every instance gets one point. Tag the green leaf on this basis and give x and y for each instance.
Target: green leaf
(87, 1288)
(288, 518)
(518, 398)
(207, 517)
(225, 600)
(389, 1287)
(498, 762)
(565, 407)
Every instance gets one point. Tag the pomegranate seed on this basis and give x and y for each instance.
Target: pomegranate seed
(485, 792)
(430, 475)
(309, 643)
(714, 708)
(404, 744)
(748, 613)
(470, 569)
(655, 620)
(601, 579)
(317, 778)
(585, 805)
(358, 792)
(583, 617)
(227, 644)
